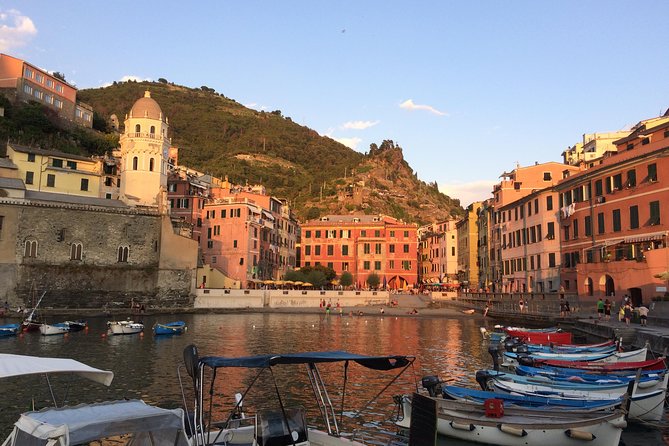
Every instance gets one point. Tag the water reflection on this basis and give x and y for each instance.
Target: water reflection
(146, 366)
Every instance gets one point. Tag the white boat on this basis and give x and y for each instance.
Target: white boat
(132, 420)
(125, 327)
(529, 427)
(54, 329)
(284, 425)
(512, 359)
(646, 404)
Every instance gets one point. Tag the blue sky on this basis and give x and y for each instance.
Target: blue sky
(467, 88)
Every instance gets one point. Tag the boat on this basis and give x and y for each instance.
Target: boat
(125, 327)
(77, 325)
(283, 424)
(170, 328)
(577, 375)
(474, 421)
(33, 321)
(9, 330)
(517, 346)
(541, 337)
(515, 359)
(606, 367)
(645, 405)
(54, 329)
(469, 311)
(133, 420)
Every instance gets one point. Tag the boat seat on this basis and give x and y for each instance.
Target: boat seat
(273, 431)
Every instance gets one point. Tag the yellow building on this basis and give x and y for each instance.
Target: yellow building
(468, 265)
(56, 172)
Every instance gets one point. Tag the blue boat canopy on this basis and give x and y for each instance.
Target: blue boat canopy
(265, 361)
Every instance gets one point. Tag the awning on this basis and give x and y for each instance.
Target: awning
(20, 365)
(646, 237)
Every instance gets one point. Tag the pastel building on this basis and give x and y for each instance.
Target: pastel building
(593, 148)
(361, 245)
(467, 230)
(22, 81)
(613, 218)
(486, 255)
(438, 248)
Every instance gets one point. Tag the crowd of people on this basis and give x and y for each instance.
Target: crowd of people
(624, 313)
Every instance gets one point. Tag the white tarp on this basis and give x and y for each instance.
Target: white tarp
(19, 365)
(147, 425)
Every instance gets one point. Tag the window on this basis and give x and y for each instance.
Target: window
(391, 248)
(549, 203)
(377, 248)
(30, 177)
(27, 72)
(28, 89)
(51, 180)
(600, 223)
(72, 165)
(363, 233)
(617, 181)
(151, 164)
(652, 172)
(84, 184)
(317, 250)
(406, 248)
(631, 178)
(57, 162)
(377, 265)
(547, 176)
(654, 213)
(551, 259)
(307, 250)
(550, 230)
(330, 250)
(30, 249)
(75, 251)
(344, 266)
(575, 228)
(318, 234)
(122, 254)
(59, 88)
(588, 226)
(58, 103)
(406, 233)
(366, 248)
(616, 220)
(645, 141)
(234, 243)
(38, 94)
(138, 128)
(31, 157)
(598, 188)
(344, 250)
(307, 234)
(135, 161)
(406, 265)
(49, 83)
(153, 130)
(634, 217)
(377, 233)
(392, 233)
(365, 265)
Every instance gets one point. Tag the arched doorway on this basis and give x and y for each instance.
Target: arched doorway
(589, 291)
(636, 296)
(609, 285)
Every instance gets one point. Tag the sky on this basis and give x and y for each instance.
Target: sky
(468, 89)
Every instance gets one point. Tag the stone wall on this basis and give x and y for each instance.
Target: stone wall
(98, 279)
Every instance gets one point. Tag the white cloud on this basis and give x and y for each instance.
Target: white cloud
(468, 192)
(130, 77)
(410, 105)
(16, 30)
(359, 125)
(349, 142)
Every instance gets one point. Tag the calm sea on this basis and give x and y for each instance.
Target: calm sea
(146, 366)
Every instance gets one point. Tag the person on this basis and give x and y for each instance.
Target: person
(327, 308)
(621, 313)
(600, 309)
(521, 304)
(567, 309)
(485, 311)
(643, 314)
(382, 311)
(627, 311)
(563, 310)
(607, 310)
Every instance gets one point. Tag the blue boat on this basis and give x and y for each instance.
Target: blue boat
(170, 328)
(578, 375)
(480, 396)
(9, 330)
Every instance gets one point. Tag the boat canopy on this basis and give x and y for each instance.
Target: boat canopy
(265, 361)
(19, 365)
(82, 424)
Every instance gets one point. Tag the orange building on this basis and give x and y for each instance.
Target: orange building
(21, 81)
(362, 244)
(614, 218)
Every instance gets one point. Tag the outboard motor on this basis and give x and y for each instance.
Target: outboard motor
(522, 348)
(511, 344)
(525, 360)
(432, 384)
(482, 377)
(493, 349)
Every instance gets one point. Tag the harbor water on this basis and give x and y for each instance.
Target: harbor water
(145, 366)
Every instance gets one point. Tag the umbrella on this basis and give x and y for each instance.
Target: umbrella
(298, 283)
(268, 282)
(306, 284)
(289, 282)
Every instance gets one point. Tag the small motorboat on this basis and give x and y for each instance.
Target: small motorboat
(54, 329)
(542, 337)
(170, 328)
(125, 327)
(468, 311)
(77, 325)
(9, 330)
(584, 376)
(538, 358)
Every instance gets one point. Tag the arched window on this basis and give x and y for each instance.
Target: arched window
(75, 251)
(138, 128)
(30, 249)
(134, 163)
(123, 252)
(153, 130)
(151, 163)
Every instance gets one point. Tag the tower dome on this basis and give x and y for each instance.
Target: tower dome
(146, 107)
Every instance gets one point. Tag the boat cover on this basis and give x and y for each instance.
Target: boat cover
(264, 361)
(84, 423)
(18, 365)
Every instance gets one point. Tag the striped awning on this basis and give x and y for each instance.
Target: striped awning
(646, 237)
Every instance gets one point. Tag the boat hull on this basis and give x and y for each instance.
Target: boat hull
(125, 328)
(9, 330)
(53, 329)
(172, 328)
(542, 338)
(538, 427)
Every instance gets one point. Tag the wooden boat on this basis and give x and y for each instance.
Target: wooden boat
(541, 337)
(54, 329)
(9, 330)
(469, 421)
(514, 359)
(268, 426)
(604, 367)
(77, 325)
(125, 327)
(170, 328)
(645, 405)
(515, 345)
(133, 420)
(584, 376)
